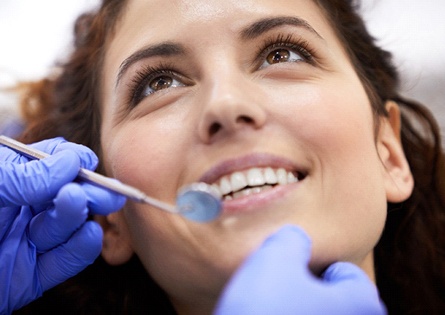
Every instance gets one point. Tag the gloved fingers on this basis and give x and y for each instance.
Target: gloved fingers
(88, 158)
(17, 265)
(36, 181)
(102, 201)
(9, 155)
(37, 208)
(345, 272)
(8, 216)
(350, 282)
(52, 227)
(48, 145)
(72, 257)
(51, 146)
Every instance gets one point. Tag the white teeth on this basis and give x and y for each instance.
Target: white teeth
(269, 176)
(253, 181)
(291, 178)
(282, 176)
(255, 177)
(224, 186)
(238, 181)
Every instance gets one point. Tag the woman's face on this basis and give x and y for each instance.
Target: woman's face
(229, 92)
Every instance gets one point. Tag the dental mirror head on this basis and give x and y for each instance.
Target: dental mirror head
(199, 202)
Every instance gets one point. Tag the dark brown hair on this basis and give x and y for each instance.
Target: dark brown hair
(410, 257)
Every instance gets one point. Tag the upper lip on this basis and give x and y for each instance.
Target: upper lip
(248, 161)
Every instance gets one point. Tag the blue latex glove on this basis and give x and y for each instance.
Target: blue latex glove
(275, 279)
(45, 237)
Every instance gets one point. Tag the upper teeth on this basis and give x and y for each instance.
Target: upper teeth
(253, 177)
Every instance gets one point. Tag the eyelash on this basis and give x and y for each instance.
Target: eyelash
(288, 41)
(144, 75)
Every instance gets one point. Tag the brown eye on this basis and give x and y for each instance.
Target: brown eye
(281, 55)
(160, 83)
(278, 55)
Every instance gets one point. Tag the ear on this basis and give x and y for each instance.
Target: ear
(399, 181)
(116, 249)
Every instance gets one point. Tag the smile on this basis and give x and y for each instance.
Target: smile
(253, 181)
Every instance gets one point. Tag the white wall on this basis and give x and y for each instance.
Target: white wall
(414, 31)
(34, 33)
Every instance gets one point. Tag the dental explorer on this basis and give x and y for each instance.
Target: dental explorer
(197, 201)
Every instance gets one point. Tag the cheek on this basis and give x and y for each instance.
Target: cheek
(346, 184)
(142, 154)
(328, 118)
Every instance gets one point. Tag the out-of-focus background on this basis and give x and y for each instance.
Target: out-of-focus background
(34, 34)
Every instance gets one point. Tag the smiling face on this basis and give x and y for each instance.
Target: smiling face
(259, 99)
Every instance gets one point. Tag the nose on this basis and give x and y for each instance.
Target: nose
(230, 106)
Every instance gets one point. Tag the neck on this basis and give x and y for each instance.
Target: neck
(201, 305)
(368, 266)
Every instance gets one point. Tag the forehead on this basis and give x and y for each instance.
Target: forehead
(159, 20)
(209, 9)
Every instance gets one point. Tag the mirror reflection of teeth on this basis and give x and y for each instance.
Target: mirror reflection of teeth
(253, 181)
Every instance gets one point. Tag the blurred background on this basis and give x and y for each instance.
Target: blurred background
(34, 34)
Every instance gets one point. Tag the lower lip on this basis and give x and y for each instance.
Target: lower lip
(256, 202)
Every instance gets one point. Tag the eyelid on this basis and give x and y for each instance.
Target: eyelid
(289, 41)
(146, 74)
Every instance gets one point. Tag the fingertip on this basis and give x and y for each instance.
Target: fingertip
(48, 145)
(88, 158)
(342, 271)
(102, 201)
(91, 233)
(352, 283)
(63, 165)
(71, 199)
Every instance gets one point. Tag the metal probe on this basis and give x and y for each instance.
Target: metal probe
(198, 201)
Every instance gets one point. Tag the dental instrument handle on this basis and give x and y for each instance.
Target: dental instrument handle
(92, 177)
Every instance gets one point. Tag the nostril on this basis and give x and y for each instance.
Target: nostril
(244, 119)
(214, 128)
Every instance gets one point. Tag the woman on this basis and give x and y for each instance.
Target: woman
(288, 108)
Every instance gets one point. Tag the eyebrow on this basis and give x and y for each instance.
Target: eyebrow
(252, 31)
(264, 25)
(164, 49)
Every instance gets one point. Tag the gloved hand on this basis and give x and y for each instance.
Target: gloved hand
(275, 279)
(45, 237)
